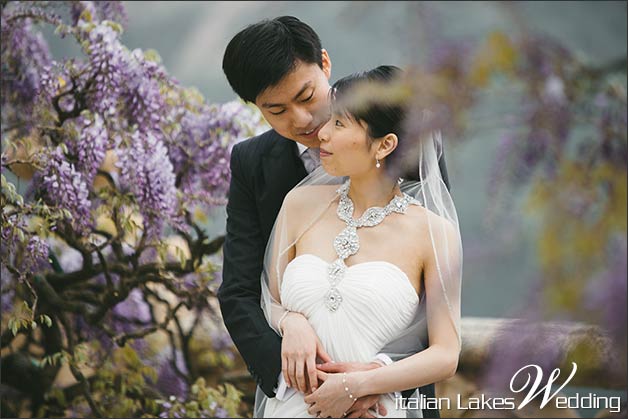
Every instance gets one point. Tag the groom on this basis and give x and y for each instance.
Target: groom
(280, 66)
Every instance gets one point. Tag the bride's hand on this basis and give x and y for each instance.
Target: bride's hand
(365, 406)
(331, 399)
(299, 348)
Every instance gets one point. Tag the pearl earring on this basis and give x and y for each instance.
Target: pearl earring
(377, 163)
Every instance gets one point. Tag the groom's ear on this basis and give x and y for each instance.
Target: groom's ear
(326, 61)
(386, 146)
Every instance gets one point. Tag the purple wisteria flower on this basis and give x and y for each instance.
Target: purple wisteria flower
(146, 171)
(128, 313)
(10, 238)
(7, 290)
(91, 145)
(52, 78)
(58, 80)
(60, 184)
(110, 63)
(221, 413)
(524, 342)
(152, 69)
(540, 57)
(144, 105)
(449, 55)
(201, 149)
(35, 255)
(606, 293)
(169, 383)
(91, 332)
(25, 54)
(77, 8)
(611, 125)
(112, 10)
(98, 11)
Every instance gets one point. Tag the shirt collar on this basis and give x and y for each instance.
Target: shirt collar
(301, 148)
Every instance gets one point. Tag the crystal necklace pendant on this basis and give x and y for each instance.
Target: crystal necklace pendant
(347, 243)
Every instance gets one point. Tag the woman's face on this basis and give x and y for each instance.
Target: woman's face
(345, 147)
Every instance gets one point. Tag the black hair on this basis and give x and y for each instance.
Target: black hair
(382, 111)
(381, 117)
(263, 53)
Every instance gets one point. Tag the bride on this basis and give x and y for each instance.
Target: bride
(370, 260)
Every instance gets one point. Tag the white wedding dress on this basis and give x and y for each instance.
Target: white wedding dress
(378, 303)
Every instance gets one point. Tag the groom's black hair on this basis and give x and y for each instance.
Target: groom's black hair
(262, 54)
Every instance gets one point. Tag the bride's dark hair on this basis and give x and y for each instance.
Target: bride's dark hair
(381, 117)
(376, 98)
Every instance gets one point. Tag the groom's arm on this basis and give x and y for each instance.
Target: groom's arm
(240, 292)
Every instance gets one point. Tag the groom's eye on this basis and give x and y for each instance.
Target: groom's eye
(277, 113)
(310, 97)
(338, 123)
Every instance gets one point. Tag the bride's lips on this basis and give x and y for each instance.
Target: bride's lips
(312, 135)
(325, 153)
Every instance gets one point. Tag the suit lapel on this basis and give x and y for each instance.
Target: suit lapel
(282, 170)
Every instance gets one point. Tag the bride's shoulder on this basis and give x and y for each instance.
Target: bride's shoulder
(421, 219)
(304, 197)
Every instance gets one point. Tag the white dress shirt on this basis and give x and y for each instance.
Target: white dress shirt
(310, 156)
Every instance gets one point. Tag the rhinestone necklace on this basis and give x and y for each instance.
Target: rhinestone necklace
(347, 242)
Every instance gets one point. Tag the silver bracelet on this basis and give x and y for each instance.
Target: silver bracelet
(344, 383)
(283, 316)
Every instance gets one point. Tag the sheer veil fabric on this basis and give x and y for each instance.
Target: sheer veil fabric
(319, 191)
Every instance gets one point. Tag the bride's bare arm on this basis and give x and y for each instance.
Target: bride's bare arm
(440, 360)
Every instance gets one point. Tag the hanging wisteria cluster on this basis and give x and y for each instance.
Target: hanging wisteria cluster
(104, 247)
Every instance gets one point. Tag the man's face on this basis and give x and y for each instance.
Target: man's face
(298, 106)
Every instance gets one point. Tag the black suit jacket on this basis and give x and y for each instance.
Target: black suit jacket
(263, 170)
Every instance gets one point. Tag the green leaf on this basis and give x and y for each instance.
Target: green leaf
(114, 25)
(152, 55)
(193, 405)
(86, 15)
(60, 28)
(45, 319)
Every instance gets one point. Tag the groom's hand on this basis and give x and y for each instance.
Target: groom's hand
(299, 349)
(336, 367)
(364, 407)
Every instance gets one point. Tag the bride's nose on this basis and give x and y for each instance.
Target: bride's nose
(323, 133)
